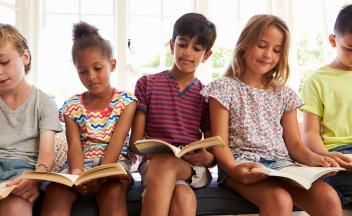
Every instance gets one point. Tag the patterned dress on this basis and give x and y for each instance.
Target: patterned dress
(97, 126)
(255, 130)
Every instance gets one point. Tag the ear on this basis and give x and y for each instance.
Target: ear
(26, 57)
(172, 43)
(113, 64)
(332, 40)
(207, 55)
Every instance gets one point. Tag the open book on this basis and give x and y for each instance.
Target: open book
(301, 175)
(113, 170)
(156, 146)
(4, 190)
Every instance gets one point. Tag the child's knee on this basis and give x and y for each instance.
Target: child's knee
(185, 195)
(14, 205)
(113, 190)
(183, 201)
(280, 201)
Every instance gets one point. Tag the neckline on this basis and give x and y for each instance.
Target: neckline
(172, 77)
(107, 105)
(21, 107)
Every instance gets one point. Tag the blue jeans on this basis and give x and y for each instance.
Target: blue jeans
(342, 181)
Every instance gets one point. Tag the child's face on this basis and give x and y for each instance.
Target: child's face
(94, 70)
(12, 70)
(265, 55)
(188, 54)
(343, 46)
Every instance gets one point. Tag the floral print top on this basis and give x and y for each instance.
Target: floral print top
(255, 129)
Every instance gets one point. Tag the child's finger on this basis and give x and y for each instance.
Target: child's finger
(14, 182)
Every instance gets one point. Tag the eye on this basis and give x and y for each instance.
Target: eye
(198, 48)
(4, 62)
(82, 71)
(261, 45)
(98, 68)
(182, 45)
(277, 50)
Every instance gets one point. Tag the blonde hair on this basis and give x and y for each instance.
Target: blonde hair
(8, 33)
(250, 36)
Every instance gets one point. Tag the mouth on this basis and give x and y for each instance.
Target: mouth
(186, 61)
(94, 84)
(264, 62)
(3, 81)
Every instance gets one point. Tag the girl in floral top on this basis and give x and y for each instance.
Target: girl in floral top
(255, 112)
(97, 124)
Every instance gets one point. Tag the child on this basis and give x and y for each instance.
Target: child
(172, 109)
(255, 112)
(97, 124)
(29, 120)
(327, 119)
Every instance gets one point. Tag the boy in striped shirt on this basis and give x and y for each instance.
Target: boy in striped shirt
(171, 108)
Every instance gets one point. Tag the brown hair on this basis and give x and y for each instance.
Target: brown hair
(87, 36)
(8, 33)
(250, 35)
(196, 25)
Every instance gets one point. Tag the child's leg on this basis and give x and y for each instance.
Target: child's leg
(268, 195)
(58, 200)
(163, 171)
(14, 205)
(111, 198)
(320, 199)
(183, 202)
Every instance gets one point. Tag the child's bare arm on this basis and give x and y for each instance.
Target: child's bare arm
(75, 153)
(219, 117)
(138, 128)
(46, 155)
(295, 146)
(118, 137)
(312, 138)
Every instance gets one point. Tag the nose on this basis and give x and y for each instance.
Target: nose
(267, 53)
(187, 50)
(92, 75)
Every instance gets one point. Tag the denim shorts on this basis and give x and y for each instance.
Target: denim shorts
(11, 168)
(201, 176)
(273, 164)
(342, 181)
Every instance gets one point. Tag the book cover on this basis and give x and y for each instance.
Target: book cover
(147, 146)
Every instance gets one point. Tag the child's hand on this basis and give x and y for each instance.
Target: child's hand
(324, 161)
(245, 174)
(26, 189)
(343, 160)
(199, 157)
(76, 172)
(91, 187)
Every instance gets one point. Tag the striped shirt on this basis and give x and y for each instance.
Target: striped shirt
(176, 117)
(97, 126)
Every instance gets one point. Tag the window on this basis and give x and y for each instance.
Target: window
(140, 32)
(7, 11)
(56, 72)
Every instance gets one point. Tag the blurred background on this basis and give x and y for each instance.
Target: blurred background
(140, 31)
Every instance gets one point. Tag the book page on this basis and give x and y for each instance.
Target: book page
(302, 175)
(108, 172)
(4, 190)
(66, 179)
(155, 146)
(205, 143)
